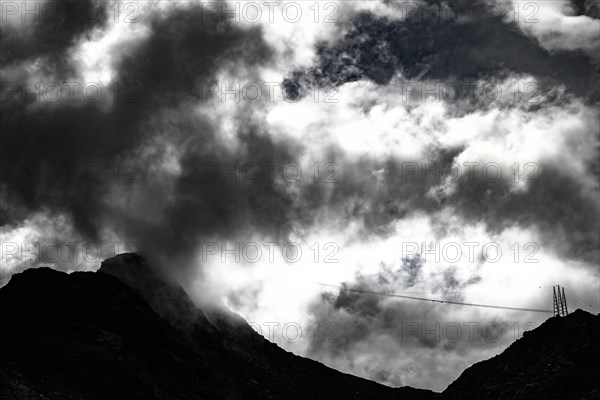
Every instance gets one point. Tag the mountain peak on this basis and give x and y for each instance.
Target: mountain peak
(557, 360)
(93, 336)
(146, 339)
(129, 267)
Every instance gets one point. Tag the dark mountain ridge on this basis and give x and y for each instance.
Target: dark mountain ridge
(89, 335)
(558, 360)
(126, 332)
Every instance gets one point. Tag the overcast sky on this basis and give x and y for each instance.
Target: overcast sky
(257, 151)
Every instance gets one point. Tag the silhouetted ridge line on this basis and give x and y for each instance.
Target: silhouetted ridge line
(128, 332)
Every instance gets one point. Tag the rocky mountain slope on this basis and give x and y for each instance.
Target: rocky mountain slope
(125, 332)
(559, 360)
(90, 335)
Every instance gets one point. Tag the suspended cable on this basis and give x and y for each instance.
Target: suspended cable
(390, 294)
(581, 301)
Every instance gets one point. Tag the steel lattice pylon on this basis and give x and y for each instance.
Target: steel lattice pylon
(560, 301)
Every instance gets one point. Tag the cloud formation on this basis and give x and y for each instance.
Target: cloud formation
(425, 129)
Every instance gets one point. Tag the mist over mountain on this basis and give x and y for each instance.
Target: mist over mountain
(125, 332)
(277, 163)
(89, 335)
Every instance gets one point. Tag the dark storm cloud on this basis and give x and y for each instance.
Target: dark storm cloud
(379, 193)
(51, 28)
(590, 8)
(427, 50)
(212, 209)
(184, 49)
(184, 54)
(425, 46)
(32, 136)
(555, 204)
(168, 214)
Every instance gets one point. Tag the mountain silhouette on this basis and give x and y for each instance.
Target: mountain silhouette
(556, 361)
(127, 332)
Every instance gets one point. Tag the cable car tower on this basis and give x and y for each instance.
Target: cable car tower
(560, 301)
